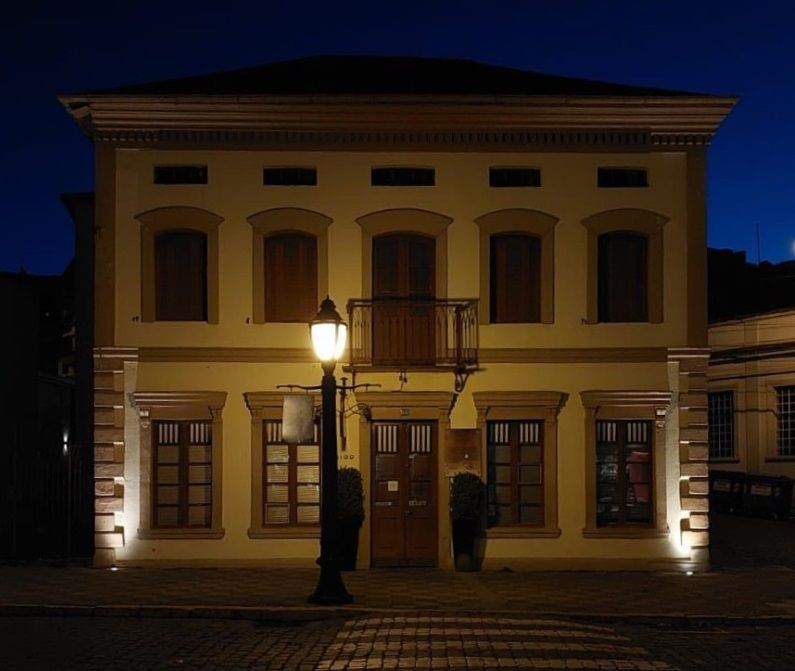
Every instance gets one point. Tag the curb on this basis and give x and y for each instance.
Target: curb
(287, 615)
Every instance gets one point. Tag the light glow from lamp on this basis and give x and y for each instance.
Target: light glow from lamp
(329, 333)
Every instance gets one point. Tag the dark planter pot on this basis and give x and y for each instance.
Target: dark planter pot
(464, 533)
(349, 544)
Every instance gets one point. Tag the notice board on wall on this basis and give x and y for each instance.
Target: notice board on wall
(462, 451)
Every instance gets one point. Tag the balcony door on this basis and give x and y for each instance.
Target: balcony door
(404, 293)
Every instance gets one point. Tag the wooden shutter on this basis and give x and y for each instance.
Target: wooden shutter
(623, 277)
(181, 276)
(404, 266)
(515, 278)
(290, 277)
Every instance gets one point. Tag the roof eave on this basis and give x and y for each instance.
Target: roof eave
(660, 114)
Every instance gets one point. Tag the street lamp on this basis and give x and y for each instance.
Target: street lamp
(328, 333)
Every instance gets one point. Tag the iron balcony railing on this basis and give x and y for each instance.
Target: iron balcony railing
(413, 333)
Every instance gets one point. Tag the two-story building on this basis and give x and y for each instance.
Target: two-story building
(519, 254)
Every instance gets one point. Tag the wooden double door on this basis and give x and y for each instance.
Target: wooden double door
(404, 494)
(404, 307)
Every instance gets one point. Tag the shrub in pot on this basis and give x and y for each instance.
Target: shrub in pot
(350, 512)
(466, 492)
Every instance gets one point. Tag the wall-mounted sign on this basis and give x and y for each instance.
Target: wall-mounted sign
(298, 419)
(462, 451)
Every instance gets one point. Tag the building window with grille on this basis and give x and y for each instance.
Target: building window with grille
(182, 475)
(291, 479)
(721, 424)
(785, 401)
(515, 473)
(624, 483)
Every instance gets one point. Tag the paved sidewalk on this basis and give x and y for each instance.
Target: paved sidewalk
(257, 593)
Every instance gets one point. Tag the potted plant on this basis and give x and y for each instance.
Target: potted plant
(465, 507)
(350, 512)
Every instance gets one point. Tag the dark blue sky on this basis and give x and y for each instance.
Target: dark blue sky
(746, 49)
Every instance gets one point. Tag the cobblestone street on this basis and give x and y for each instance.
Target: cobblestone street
(389, 642)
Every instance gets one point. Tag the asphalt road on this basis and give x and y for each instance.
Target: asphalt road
(389, 642)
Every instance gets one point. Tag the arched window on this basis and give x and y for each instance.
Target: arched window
(515, 283)
(517, 274)
(179, 264)
(290, 264)
(181, 276)
(290, 277)
(623, 277)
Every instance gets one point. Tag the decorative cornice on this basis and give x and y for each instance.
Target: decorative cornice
(779, 350)
(214, 400)
(228, 354)
(625, 398)
(520, 399)
(407, 399)
(573, 355)
(424, 120)
(269, 399)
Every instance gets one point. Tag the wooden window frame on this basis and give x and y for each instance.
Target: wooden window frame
(267, 406)
(163, 219)
(526, 406)
(183, 483)
(627, 405)
(179, 405)
(622, 483)
(523, 222)
(405, 220)
(515, 465)
(632, 220)
(162, 306)
(494, 283)
(790, 391)
(285, 220)
(276, 309)
(640, 311)
(292, 478)
(733, 427)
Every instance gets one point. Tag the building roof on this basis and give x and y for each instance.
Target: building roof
(384, 75)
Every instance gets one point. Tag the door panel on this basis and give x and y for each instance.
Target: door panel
(404, 280)
(404, 511)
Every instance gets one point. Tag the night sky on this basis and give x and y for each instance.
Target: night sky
(745, 49)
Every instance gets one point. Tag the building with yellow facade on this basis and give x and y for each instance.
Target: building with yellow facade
(522, 260)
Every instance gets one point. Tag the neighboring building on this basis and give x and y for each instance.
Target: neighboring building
(46, 447)
(752, 394)
(752, 367)
(519, 253)
(36, 393)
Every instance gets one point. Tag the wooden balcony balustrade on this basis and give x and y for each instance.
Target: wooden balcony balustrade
(413, 333)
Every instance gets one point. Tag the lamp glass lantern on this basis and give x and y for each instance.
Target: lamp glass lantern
(329, 333)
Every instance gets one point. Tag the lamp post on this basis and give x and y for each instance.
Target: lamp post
(328, 333)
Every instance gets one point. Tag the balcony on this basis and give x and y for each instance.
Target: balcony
(403, 334)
